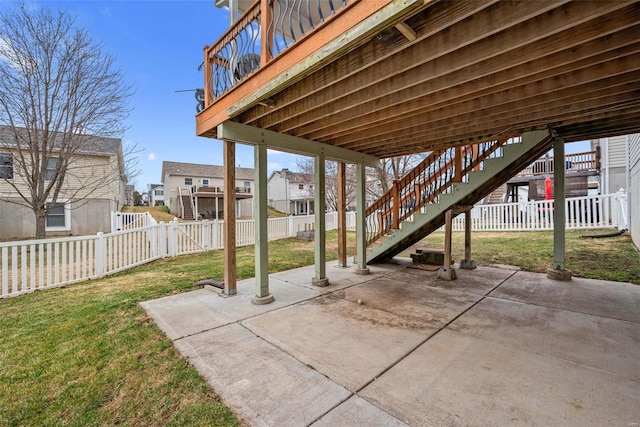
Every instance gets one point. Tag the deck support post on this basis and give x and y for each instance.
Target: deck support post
(262, 295)
(558, 272)
(467, 263)
(342, 215)
(320, 278)
(361, 209)
(447, 272)
(229, 154)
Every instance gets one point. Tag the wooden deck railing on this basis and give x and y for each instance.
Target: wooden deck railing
(265, 30)
(578, 162)
(433, 177)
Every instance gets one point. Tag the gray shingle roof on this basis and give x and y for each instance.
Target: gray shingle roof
(200, 170)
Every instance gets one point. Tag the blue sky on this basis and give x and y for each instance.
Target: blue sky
(159, 45)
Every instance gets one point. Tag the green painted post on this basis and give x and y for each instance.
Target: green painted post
(361, 208)
(260, 217)
(558, 205)
(320, 278)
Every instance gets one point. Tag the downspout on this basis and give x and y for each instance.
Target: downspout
(628, 179)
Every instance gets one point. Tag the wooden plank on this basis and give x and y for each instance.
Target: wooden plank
(441, 16)
(406, 31)
(446, 85)
(497, 52)
(507, 112)
(440, 44)
(572, 87)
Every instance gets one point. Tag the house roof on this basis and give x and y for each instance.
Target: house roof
(294, 177)
(91, 144)
(200, 170)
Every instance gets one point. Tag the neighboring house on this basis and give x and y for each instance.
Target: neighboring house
(195, 191)
(156, 195)
(94, 189)
(620, 169)
(291, 192)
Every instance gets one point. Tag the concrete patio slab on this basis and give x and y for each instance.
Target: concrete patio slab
(592, 341)
(358, 412)
(259, 381)
(200, 310)
(494, 347)
(339, 277)
(608, 299)
(456, 379)
(348, 342)
(479, 281)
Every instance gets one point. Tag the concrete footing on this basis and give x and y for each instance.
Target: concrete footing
(468, 264)
(447, 274)
(320, 282)
(560, 275)
(262, 300)
(362, 271)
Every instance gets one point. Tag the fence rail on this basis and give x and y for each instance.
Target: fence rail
(42, 264)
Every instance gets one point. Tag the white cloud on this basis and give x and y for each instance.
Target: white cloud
(151, 156)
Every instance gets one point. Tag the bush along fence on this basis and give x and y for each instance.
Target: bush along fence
(136, 239)
(31, 265)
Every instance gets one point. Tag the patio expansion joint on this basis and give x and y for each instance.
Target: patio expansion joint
(430, 336)
(535, 304)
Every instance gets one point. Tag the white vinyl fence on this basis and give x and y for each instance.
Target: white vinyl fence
(27, 266)
(590, 212)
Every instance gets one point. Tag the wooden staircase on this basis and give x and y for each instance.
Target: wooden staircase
(187, 209)
(456, 179)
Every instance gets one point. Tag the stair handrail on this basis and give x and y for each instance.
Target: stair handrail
(388, 214)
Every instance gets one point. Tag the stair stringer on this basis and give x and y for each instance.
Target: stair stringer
(496, 172)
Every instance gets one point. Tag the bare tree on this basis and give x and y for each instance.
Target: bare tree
(59, 95)
(381, 177)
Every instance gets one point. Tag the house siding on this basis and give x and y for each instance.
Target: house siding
(18, 222)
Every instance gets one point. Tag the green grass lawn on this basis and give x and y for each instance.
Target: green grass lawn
(612, 258)
(88, 354)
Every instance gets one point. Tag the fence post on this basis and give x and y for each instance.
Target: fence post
(162, 239)
(173, 238)
(206, 242)
(216, 234)
(100, 254)
(290, 226)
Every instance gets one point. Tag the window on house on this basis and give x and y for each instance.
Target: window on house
(188, 181)
(247, 184)
(159, 192)
(58, 216)
(300, 186)
(205, 182)
(6, 165)
(52, 162)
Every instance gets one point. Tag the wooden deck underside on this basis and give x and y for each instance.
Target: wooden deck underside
(476, 70)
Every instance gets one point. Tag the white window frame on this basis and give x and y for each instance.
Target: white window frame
(48, 172)
(190, 181)
(67, 216)
(205, 182)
